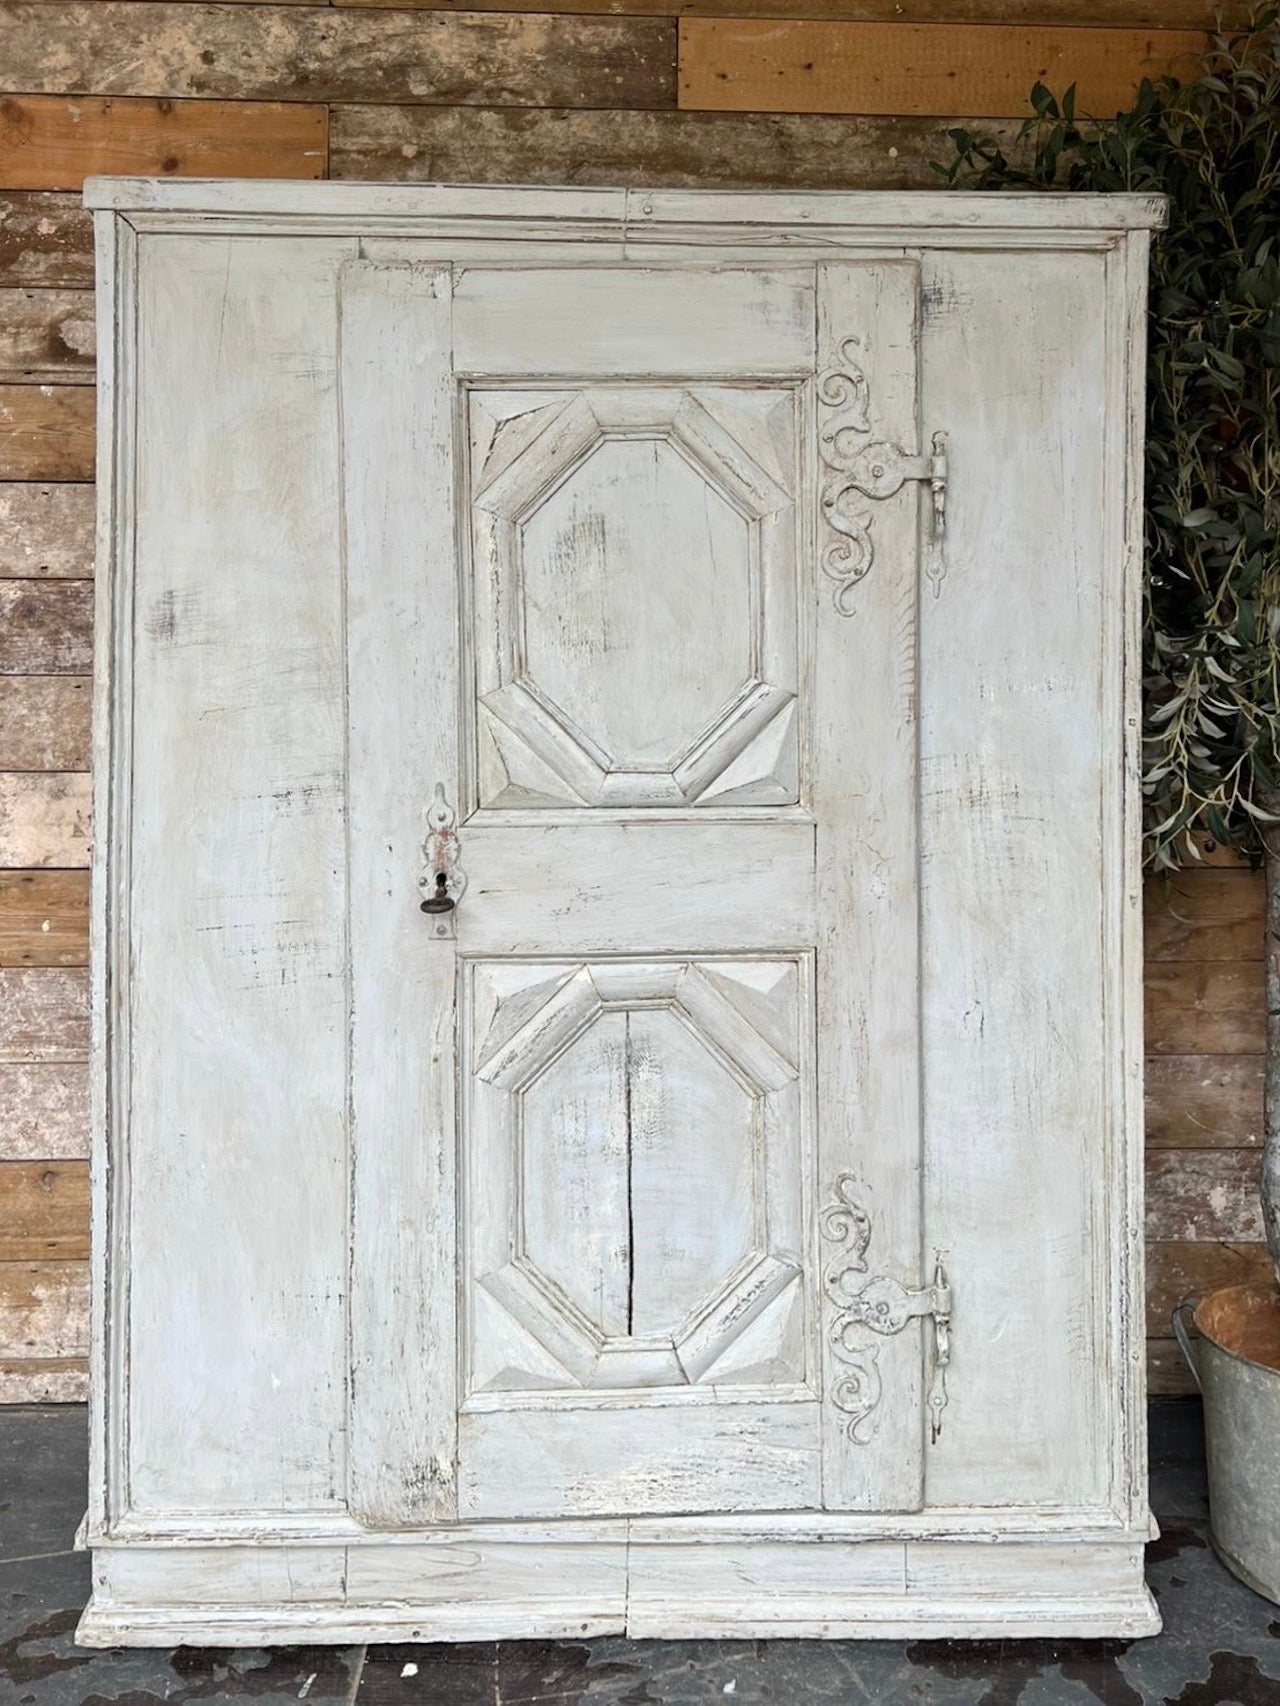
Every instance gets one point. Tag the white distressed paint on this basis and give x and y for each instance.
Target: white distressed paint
(500, 1271)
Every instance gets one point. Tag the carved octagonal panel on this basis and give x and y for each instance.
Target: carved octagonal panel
(633, 596)
(634, 1173)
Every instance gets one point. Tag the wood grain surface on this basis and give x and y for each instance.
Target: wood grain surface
(46, 627)
(320, 53)
(46, 530)
(46, 336)
(51, 143)
(44, 1380)
(44, 1108)
(44, 1308)
(1204, 914)
(44, 918)
(44, 819)
(1153, 14)
(44, 1211)
(778, 65)
(44, 1020)
(674, 149)
(46, 432)
(46, 239)
(1200, 1196)
(1204, 1100)
(1205, 1007)
(44, 722)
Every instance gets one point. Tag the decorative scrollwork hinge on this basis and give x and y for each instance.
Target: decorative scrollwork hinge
(443, 882)
(875, 470)
(884, 1306)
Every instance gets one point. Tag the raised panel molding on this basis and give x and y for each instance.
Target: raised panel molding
(669, 687)
(635, 1151)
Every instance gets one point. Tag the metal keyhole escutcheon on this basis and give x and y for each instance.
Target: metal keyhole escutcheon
(443, 881)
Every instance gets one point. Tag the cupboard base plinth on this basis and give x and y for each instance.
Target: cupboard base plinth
(458, 1588)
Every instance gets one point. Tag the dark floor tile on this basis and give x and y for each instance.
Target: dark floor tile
(611, 1671)
(40, 1665)
(1007, 1673)
(43, 1477)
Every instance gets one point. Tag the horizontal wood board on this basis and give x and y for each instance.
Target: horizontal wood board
(805, 66)
(48, 142)
(1133, 14)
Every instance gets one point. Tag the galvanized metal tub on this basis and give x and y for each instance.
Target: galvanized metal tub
(1236, 1364)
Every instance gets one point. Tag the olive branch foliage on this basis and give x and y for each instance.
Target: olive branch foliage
(1211, 637)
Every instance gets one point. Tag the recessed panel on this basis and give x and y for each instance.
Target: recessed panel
(632, 595)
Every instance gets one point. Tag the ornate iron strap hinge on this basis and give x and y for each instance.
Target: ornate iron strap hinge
(872, 469)
(884, 1306)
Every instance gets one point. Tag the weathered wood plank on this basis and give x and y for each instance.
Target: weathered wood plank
(46, 337)
(44, 1018)
(44, 1111)
(1205, 1007)
(1203, 1196)
(44, 1211)
(1172, 14)
(46, 241)
(670, 149)
(46, 627)
(46, 530)
(44, 722)
(770, 65)
(44, 820)
(1211, 913)
(1204, 1100)
(299, 53)
(1177, 1271)
(1167, 1373)
(44, 1380)
(44, 1309)
(44, 918)
(46, 432)
(48, 142)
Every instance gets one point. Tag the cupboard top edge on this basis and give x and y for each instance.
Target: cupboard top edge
(946, 215)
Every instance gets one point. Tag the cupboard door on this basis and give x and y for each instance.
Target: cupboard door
(609, 586)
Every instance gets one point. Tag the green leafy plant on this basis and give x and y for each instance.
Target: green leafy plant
(1212, 145)
(1211, 737)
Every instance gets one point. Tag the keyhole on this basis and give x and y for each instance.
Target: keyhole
(441, 900)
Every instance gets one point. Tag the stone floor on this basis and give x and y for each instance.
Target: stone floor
(1220, 1646)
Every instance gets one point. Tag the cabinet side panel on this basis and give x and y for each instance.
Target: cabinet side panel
(115, 256)
(1016, 756)
(237, 1223)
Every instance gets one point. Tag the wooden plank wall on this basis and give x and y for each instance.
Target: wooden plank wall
(855, 93)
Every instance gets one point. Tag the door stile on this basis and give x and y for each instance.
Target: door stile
(397, 403)
(866, 787)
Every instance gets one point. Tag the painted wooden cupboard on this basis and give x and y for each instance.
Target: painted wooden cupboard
(616, 914)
